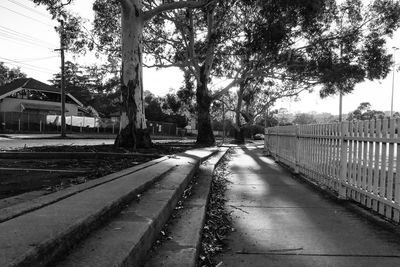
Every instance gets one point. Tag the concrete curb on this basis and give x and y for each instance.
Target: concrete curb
(71, 155)
(37, 203)
(40, 236)
(83, 136)
(54, 137)
(124, 240)
(183, 248)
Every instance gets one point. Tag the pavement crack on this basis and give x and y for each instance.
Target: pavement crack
(242, 210)
(270, 207)
(282, 253)
(270, 251)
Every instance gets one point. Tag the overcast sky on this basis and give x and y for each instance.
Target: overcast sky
(28, 40)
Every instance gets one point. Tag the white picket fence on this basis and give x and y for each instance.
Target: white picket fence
(358, 160)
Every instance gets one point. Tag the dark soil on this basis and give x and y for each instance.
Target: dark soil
(14, 182)
(218, 223)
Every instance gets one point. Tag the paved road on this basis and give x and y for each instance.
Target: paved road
(281, 221)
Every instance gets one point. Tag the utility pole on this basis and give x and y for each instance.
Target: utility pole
(223, 122)
(394, 70)
(340, 105)
(341, 92)
(62, 83)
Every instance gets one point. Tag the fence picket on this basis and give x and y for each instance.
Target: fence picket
(357, 163)
(364, 158)
(382, 177)
(350, 157)
(376, 163)
(396, 212)
(389, 186)
(354, 162)
(370, 161)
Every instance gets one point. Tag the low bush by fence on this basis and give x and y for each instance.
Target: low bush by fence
(358, 160)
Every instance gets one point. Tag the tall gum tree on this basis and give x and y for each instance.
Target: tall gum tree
(340, 46)
(133, 18)
(199, 36)
(134, 15)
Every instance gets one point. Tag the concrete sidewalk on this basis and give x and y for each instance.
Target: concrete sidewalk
(281, 221)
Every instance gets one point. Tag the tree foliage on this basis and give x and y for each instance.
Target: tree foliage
(9, 74)
(365, 112)
(293, 45)
(156, 109)
(89, 86)
(354, 49)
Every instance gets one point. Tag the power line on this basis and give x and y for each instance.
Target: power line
(26, 16)
(22, 60)
(29, 65)
(23, 35)
(23, 43)
(29, 68)
(30, 9)
(17, 38)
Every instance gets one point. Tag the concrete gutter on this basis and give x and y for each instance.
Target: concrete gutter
(185, 232)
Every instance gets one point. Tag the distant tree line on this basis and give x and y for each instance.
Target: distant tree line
(364, 111)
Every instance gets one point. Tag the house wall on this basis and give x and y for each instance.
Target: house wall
(14, 105)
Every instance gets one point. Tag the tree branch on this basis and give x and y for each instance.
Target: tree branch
(177, 65)
(171, 6)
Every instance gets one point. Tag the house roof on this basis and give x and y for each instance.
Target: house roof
(28, 83)
(39, 107)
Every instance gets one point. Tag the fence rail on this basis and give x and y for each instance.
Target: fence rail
(358, 160)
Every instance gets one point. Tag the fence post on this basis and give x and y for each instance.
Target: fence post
(266, 135)
(343, 159)
(297, 152)
(40, 126)
(278, 142)
(19, 125)
(4, 121)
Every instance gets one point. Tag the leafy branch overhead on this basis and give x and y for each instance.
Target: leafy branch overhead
(267, 50)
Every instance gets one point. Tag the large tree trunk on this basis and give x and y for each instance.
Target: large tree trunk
(133, 132)
(205, 135)
(239, 131)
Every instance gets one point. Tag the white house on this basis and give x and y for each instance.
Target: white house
(33, 96)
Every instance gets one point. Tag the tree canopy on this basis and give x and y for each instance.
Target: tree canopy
(293, 45)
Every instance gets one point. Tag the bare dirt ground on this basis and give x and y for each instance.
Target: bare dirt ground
(19, 176)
